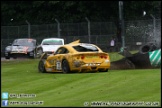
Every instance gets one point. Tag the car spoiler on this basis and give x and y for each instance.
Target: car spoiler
(74, 42)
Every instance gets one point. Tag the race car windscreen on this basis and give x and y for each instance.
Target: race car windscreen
(52, 42)
(85, 48)
(24, 42)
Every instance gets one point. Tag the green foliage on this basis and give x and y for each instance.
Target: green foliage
(42, 12)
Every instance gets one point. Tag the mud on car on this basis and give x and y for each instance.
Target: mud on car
(21, 48)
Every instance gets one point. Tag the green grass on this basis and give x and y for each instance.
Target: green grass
(57, 89)
(114, 56)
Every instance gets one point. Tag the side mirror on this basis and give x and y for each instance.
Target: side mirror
(54, 53)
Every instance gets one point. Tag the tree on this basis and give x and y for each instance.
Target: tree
(43, 12)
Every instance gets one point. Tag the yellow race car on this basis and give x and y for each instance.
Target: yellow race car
(75, 57)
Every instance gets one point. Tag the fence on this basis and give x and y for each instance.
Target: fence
(100, 32)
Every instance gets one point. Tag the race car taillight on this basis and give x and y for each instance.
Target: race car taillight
(103, 56)
(82, 57)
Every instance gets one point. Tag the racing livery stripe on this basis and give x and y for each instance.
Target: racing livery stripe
(155, 57)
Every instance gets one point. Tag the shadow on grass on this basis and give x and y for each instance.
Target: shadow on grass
(72, 72)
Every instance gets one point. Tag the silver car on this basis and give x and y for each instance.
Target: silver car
(21, 48)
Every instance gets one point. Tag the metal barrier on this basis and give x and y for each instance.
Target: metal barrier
(137, 31)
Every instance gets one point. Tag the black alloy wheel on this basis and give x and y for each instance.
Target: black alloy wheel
(40, 52)
(65, 66)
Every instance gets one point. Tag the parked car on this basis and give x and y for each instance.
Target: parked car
(75, 57)
(21, 47)
(49, 45)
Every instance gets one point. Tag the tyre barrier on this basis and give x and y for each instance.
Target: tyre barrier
(155, 58)
(141, 61)
(148, 57)
(147, 48)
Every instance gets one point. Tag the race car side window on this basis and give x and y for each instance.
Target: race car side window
(62, 51)
(85, 48)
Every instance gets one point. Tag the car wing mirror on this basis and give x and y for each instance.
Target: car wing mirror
(54, 53)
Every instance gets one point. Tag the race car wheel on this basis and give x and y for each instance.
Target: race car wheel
(41, 67)
(65, 66)
(106, 70)
(15, 57)
(103, 70)
(147, 48)
(34, 54)
(7, 57)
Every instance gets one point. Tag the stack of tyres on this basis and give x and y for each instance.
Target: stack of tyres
(148, 57)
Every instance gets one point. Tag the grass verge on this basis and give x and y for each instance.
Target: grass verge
(75, 90)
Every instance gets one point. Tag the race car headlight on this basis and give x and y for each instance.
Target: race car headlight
(7, 48)
(30, 49)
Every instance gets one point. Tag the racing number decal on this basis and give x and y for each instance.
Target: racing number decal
(58, 65)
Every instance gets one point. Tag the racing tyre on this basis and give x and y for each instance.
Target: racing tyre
(7, 57)
(147, 48)
(104, 70)
(34, 55)
(65, 66)
(41, 67)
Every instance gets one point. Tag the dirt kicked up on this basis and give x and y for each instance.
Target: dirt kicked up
(148, 57)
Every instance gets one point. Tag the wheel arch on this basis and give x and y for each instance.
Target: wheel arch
(44, 56)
